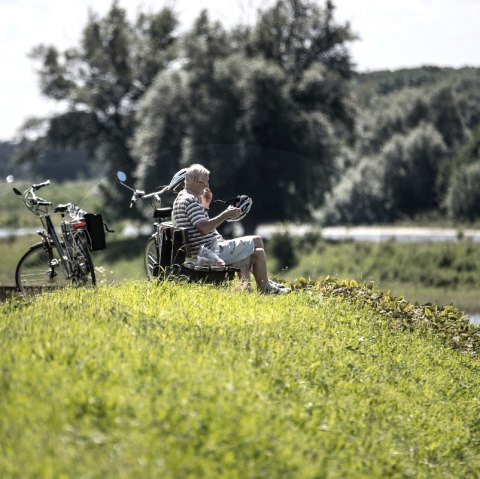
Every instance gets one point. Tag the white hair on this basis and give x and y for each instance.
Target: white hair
(196, 171)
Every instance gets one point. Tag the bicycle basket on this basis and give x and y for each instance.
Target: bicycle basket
(96, 231)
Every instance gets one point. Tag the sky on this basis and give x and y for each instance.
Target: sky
(392, 34)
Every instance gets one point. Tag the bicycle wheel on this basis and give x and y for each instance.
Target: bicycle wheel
(40, 268)
(150, 258)
(83, 270)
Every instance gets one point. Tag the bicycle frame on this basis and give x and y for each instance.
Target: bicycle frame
(66, 249)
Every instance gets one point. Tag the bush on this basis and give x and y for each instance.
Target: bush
(463, 197)
(282, 247)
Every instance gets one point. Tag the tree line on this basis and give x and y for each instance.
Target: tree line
(275, 110)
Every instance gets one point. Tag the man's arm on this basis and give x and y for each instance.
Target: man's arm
(213, 223)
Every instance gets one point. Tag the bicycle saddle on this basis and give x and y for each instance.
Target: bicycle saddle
(162, 213)
(62, 208)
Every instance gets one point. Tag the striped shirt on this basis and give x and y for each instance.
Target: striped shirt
(188, 213)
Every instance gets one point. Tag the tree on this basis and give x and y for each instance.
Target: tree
(446, 117)
(101, 82)
(462, 196)
(358, 197)
(263, 109)
(400, 181)
(157, 144)
(412, 163)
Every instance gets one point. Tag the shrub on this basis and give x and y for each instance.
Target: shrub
(463, 197)
(282, 247)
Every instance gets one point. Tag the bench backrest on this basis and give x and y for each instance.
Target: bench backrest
(175, 246)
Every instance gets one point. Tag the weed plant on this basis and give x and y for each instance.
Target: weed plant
(174, 380)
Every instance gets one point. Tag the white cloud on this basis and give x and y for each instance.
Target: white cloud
(413, 32)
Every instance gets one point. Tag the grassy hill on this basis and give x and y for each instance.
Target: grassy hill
(173, 380)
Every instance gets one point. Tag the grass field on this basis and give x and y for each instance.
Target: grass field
(167, 380)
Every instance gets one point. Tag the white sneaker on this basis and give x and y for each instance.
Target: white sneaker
(275, 288)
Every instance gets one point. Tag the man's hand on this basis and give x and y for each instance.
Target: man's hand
(232, 212)
(213, 223)
(206, 198)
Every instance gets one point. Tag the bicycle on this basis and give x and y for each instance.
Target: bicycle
(59, 261)
(157, 259)
(167, 251)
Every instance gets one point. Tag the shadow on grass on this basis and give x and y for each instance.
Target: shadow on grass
(126, 248)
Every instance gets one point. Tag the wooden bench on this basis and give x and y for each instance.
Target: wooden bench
(176, 259)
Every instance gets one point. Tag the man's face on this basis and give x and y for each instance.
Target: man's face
(203, 182)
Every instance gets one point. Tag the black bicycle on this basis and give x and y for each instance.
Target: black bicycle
(59, 261)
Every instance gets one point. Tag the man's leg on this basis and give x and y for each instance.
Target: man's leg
(258, 242)
(259, 264)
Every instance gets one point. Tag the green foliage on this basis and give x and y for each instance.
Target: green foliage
(447, 117)
(463, 199)
(446, 322)
(461, 176)
(168, 380)
(277, 99)
(451, 265)
(400, 181)
(101, 81)
(358, 196)
(411, 124)
(411, 169)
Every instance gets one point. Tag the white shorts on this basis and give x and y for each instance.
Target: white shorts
(236, 252)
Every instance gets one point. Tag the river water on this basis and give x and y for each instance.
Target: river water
(375, 233)
(9, 232)
(475, 318)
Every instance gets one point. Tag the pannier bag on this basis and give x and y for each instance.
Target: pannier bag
(96, 231)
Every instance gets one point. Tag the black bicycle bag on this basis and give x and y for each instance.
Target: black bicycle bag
(96, 231)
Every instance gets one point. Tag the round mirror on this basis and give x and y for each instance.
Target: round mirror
(10, 179)
(121, 175)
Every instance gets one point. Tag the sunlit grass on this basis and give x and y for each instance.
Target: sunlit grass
(173, 380)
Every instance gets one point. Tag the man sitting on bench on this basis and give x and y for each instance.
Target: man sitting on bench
(190, 211)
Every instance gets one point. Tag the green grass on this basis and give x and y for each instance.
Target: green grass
(175, 381)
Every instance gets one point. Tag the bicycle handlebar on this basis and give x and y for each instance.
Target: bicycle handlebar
(31, 200)
(40, 185)
(40, 202)
(140, 194)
